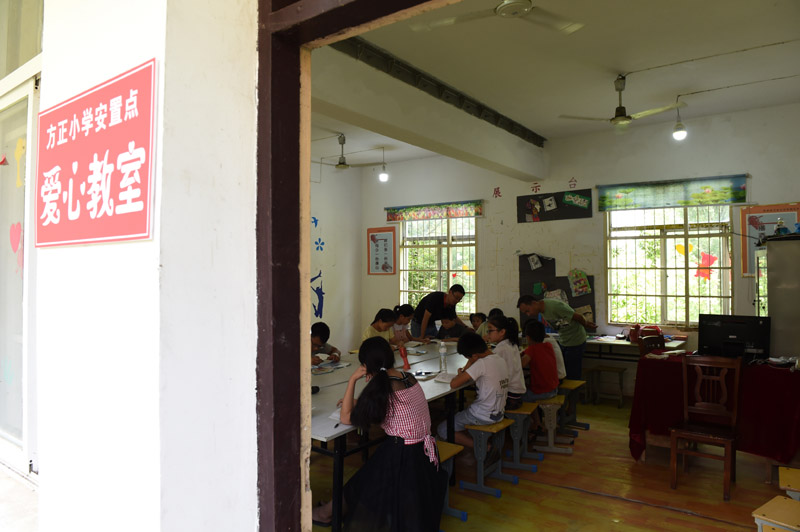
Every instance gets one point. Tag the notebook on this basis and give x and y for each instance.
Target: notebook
(445, 377)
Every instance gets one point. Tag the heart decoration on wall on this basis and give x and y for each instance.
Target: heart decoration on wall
(15, 234)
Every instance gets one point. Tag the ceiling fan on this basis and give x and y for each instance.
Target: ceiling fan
(520, 9)
(621, 116)
(342, 163)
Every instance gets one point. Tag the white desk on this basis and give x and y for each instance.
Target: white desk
(325, 429)
(423, 353)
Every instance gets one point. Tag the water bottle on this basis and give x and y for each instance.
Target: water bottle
(442, 357)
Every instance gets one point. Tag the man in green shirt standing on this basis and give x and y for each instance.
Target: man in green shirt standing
(571, 327)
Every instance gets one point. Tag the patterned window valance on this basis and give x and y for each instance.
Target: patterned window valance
(435, 211)
(719, 190)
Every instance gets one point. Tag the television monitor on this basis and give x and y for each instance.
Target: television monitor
(733, 336)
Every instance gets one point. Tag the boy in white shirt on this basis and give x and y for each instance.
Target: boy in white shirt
(490, 374)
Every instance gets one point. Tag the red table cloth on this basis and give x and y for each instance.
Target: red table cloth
(769, 407)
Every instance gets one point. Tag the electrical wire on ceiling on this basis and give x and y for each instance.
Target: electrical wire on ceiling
(712, 56)
(736, 85)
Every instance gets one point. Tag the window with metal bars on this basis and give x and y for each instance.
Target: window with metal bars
(436, 254)
(668, 266)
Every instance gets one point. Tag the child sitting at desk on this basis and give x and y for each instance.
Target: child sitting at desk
(401, 487)
(479, 324)
(381, 326)
(450, 329)
(504, 332)
(320, 332)
(402, 327)
(490, 374)
(541, 359)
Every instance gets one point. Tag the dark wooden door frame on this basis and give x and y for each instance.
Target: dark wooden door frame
(285, 27)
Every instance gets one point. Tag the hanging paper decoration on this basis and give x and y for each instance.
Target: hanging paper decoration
(436, 211)
(681, 250)
(579, 282)
(720, 190)
(704, 268)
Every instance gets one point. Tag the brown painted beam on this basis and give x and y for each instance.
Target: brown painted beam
(278, 237)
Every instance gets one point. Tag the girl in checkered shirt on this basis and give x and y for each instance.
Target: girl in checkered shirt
(401, 487)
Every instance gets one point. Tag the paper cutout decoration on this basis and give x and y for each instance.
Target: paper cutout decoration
(534, 261)
(15, 233)
(20, 149)
(3, 160)
(314, 220)
(587, 312)
(703, 269)
(557, 294)
(319, 243)
(579, 282)
(320, 295)
(550, 204)
(538, 288)
(680, 249)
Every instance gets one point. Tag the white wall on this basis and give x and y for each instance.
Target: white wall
(336, 204)
(207, 268)
(760, 142)
(97, 313)
(147, 349)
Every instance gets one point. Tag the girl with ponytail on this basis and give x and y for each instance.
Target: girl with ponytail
(401, 487)
(504, 332)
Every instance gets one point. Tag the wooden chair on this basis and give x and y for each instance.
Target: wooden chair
(712, 399)
(648, 343)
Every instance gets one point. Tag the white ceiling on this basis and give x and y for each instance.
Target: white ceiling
(533, 74)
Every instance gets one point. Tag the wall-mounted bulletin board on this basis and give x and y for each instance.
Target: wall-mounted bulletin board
(381, 256)
(562, 205)
(758, 221)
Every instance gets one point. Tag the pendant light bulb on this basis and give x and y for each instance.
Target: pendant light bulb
(383, 177)
(679, 133)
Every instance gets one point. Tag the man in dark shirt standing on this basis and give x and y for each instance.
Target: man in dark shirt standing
(430, 309)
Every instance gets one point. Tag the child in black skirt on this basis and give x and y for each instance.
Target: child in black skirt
(401, 488)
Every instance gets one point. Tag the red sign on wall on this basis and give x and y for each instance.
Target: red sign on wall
(94, 176)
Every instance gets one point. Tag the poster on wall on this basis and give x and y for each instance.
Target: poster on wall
(94, 177)
(555, 206)
(380, 251)
(759, 221)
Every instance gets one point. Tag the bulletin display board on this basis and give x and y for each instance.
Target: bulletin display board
(758, 221)
(563, 205)
(537, 277)
(381, 255)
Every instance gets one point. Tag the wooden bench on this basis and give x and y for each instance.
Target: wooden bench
(594, 374)
(446, 453)
(569, 414)
(789, 480)
(550, 408)
(481, 435)
(519, 437)
(781, 513)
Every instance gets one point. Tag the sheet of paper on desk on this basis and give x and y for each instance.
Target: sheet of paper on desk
(445, 377)
(413, 344)
(317, 370)
(334, 365)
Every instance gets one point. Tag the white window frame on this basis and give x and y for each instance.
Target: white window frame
(445, 243)
(669, 232)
